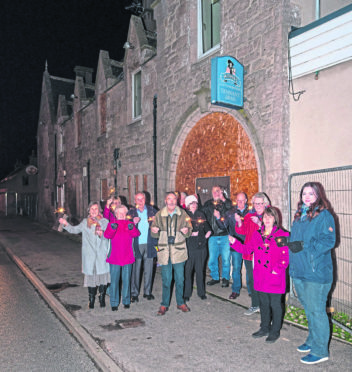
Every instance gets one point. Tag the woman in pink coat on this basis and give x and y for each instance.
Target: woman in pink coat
(269, 271)
(121, 257)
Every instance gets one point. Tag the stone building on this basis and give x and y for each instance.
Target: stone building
(97, 136)
(194, 139)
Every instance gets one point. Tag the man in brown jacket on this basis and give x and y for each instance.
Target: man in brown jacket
(172, 226)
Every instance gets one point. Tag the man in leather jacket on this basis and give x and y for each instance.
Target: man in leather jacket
(218, 243)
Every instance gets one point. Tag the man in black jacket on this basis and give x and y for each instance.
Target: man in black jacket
(218, 242)
(197, 249)
(229, 222)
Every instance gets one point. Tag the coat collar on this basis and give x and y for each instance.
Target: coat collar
(165, 213)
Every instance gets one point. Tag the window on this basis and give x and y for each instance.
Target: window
(104, 189)
(78, 128)
(145, 182)
(137, 94)
(136, 184)
(102, 113)
(129, 189)
(208, 25)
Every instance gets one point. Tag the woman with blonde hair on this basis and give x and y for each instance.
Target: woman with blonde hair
(110, 206)
(121, 257)
(94, 251)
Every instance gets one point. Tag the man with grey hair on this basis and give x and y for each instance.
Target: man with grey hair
(143, 246)
(172, 227)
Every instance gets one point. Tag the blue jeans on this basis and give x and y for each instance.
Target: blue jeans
(251, 291)
(166, 276)
(116, 271)
(313, 297)
(236, 259)
(219, 245)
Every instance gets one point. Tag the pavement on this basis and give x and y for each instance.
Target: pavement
(214, 336)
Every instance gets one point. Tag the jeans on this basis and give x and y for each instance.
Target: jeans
(236, 259)
(313, 297)
(219, 245)
(253, 293)
(116, 271)
(166, 276)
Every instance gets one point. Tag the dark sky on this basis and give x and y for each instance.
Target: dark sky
(66, 33)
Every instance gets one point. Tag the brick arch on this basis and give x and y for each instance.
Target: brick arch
(217, 146)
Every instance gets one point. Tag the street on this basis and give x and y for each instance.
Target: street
(214, 336)
(31, 337)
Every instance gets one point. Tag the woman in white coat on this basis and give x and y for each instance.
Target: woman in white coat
(94, 252)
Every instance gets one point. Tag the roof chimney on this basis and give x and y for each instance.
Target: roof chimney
(85, 73)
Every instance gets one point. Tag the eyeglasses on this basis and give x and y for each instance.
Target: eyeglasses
(258, 204)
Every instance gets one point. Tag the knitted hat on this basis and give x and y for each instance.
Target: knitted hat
(190, 199)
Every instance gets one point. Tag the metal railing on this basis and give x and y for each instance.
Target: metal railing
(337, 183)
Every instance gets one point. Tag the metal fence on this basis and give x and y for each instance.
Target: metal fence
(337, 183)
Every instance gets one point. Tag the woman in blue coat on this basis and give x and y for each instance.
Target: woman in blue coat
(312, 238)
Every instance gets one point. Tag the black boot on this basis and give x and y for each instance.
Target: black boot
(92, 292)
(102, 292)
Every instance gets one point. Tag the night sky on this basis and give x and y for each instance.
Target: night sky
(66, 33)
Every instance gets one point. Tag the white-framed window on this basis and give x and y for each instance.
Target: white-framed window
(208, 26)
(61, 142)
(137, 94)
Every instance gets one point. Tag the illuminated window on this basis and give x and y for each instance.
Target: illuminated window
(208, 25)
(137, 94)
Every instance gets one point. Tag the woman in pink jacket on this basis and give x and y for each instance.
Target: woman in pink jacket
(121, 257)
(269, 271)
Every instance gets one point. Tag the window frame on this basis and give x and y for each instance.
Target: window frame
(134, 116)
(200, 33)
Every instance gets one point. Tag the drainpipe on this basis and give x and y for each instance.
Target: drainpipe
(88, 180)
(155, 99)
(55, 171)
(317, 9)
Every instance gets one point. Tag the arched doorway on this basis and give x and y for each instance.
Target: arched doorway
(217, 146)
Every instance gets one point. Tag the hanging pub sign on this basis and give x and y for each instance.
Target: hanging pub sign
(227, 82)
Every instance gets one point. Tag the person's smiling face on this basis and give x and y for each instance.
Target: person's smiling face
(94, 210)
(308, 196)
(259, 206)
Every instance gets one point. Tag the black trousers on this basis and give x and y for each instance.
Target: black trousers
(271, 312)
(136, 272)
(196, 262)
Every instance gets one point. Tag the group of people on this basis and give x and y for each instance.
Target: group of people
(183, 234)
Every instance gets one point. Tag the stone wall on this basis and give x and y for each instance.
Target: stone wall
(254, 32)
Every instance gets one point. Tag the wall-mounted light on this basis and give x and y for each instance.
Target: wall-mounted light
(72, 96)
(128, 45)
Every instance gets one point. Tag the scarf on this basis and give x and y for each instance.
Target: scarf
(94, 222)
(304, 210)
